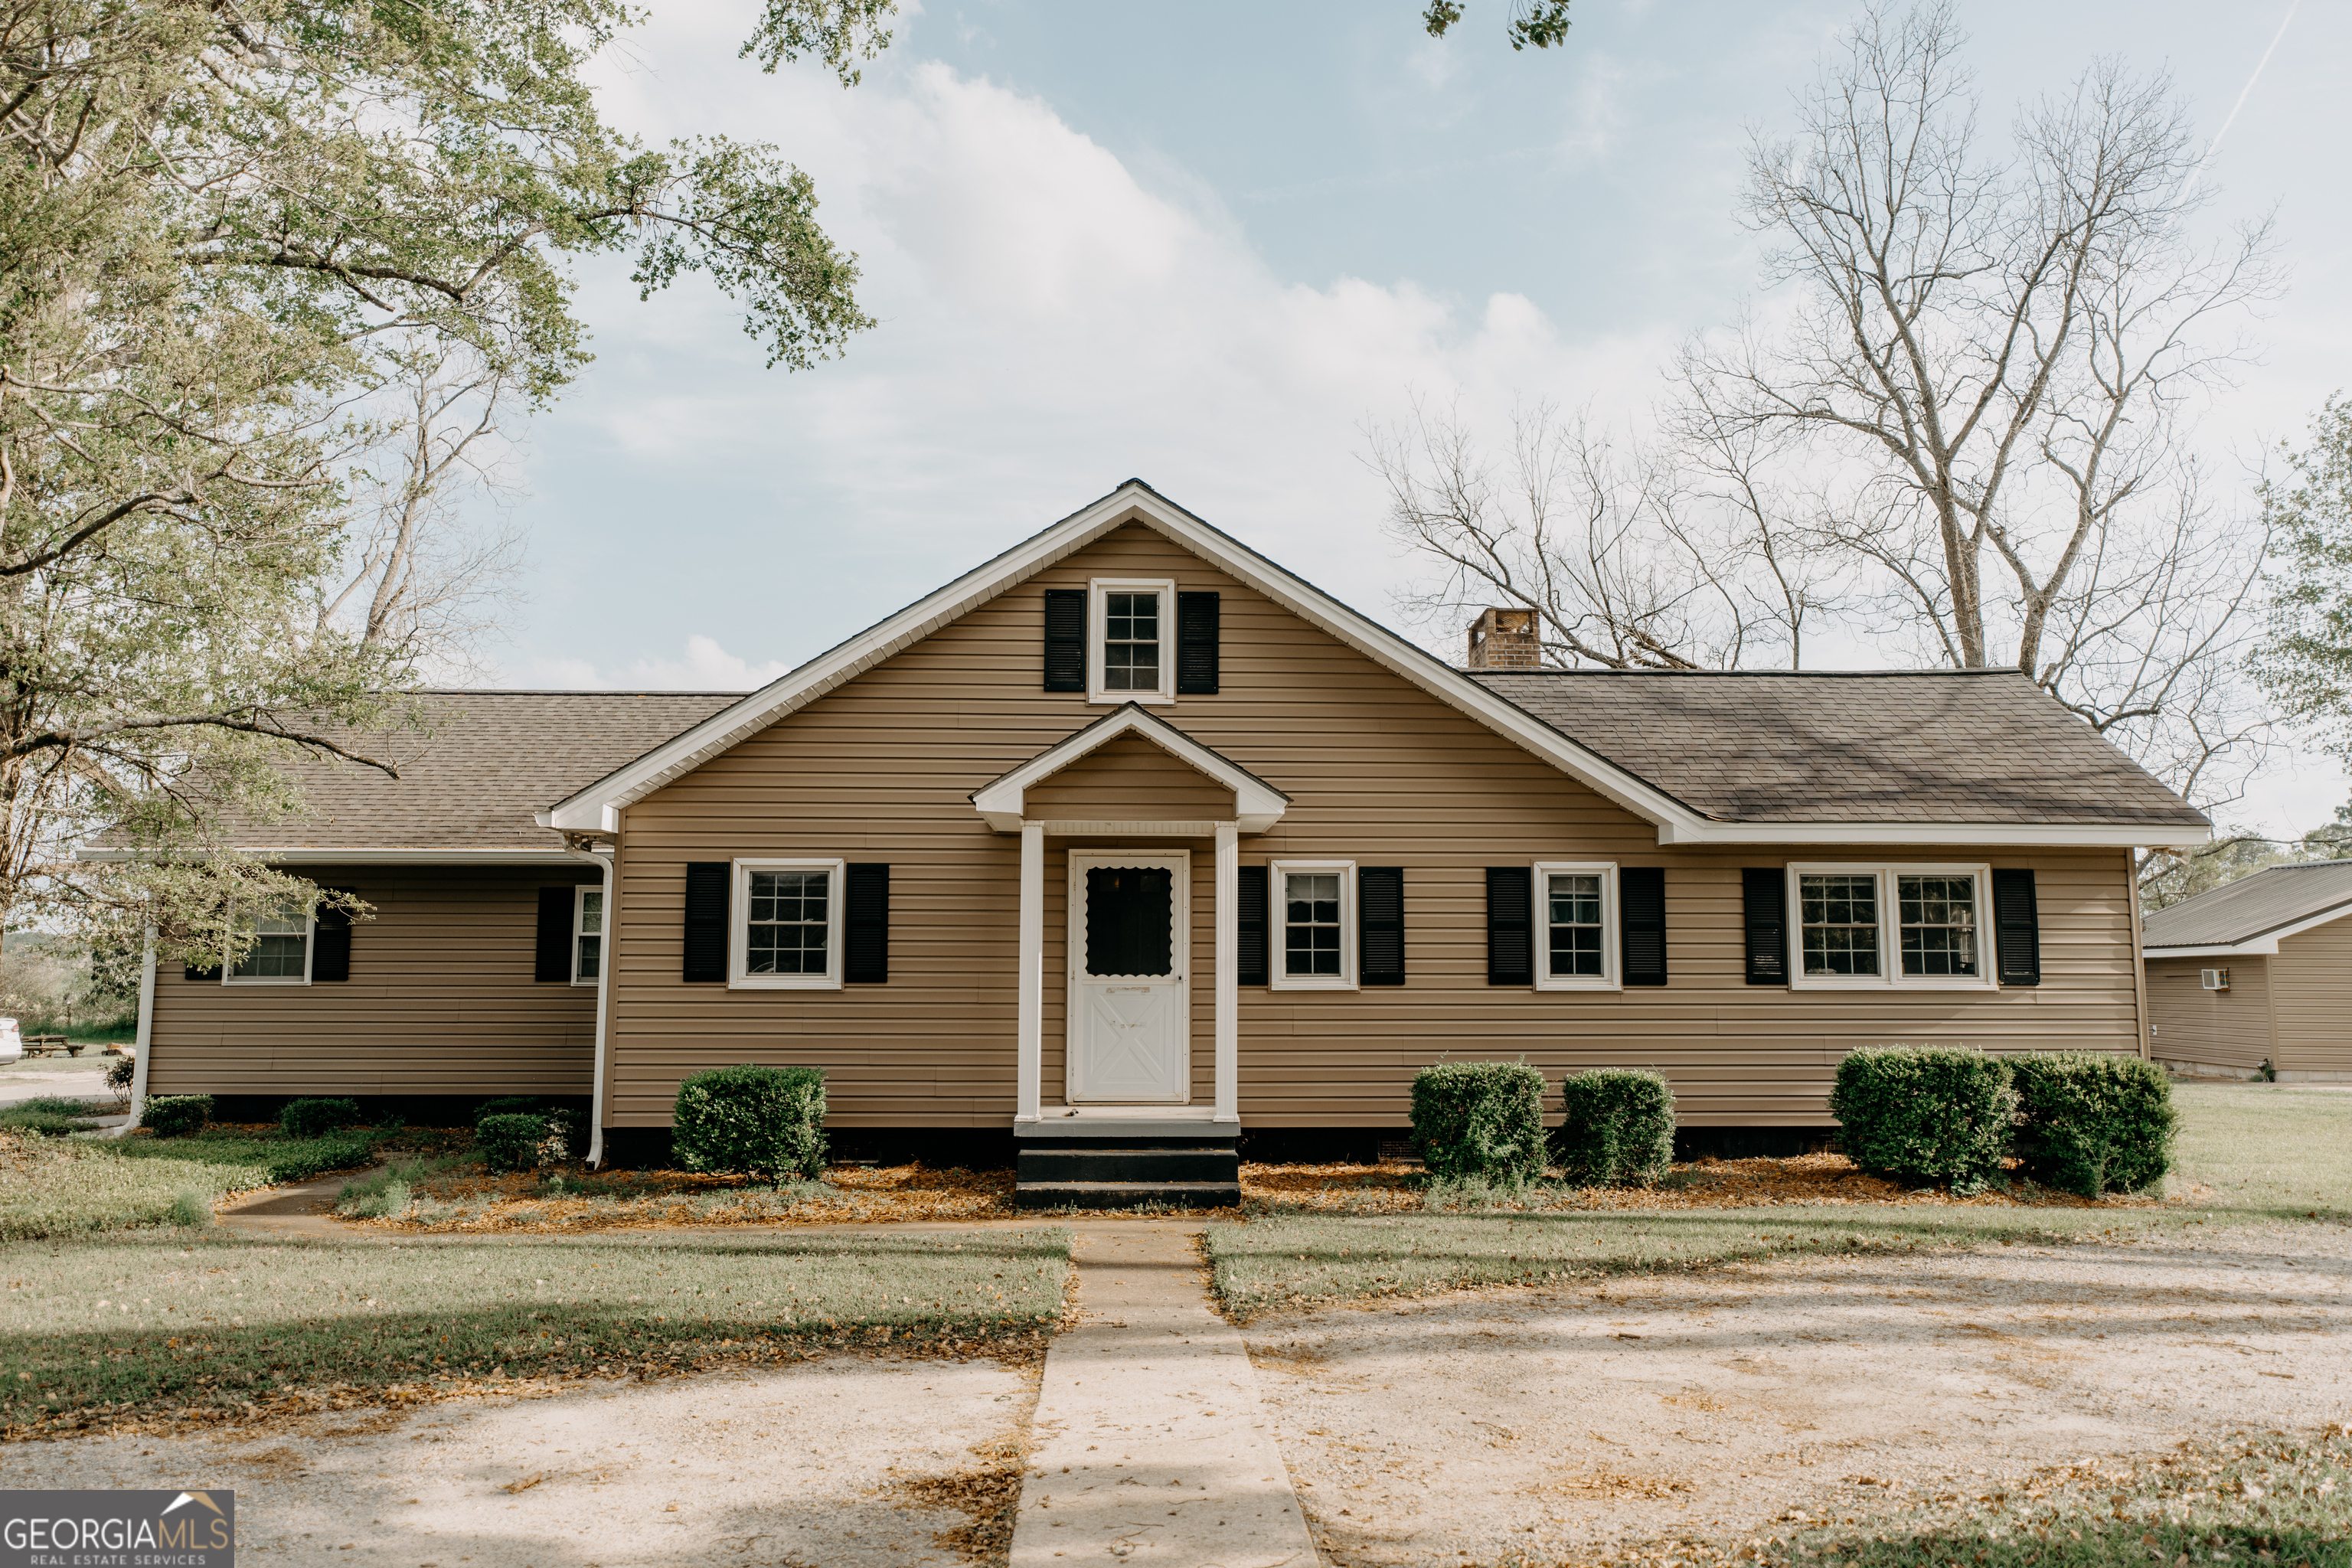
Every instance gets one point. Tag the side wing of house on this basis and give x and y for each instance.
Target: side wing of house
(826, 893)
(451, 993)
(2312, 981)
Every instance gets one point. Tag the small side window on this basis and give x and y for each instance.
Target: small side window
(281, 953)
(787, 926)
(588, 936)
(1313, 936)
(1576, 926)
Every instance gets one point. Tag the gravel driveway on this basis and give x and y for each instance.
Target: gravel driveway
(1458, 1429)
(841, 1463)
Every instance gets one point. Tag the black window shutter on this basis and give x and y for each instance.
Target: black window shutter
(1065, 639)
(865, 925)
(1642, 923)
(1764, 892)
(194, 974)
(1380, 925)
(1510, 945)
(706, 919)
(1249, 924)
(554, 963)
(330, 945)
(2017, 927)
(1196, 645)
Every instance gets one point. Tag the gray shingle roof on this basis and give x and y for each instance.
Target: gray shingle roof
(2268, 901)
(492, 760)
(1948, 746)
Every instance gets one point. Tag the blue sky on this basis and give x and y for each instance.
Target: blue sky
(1209, 244)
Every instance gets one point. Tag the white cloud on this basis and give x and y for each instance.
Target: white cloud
(706, 667)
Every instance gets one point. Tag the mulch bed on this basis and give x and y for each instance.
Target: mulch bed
(472, 1202)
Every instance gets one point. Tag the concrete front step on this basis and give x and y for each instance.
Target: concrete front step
(1127, 1195)
(1097, 1163)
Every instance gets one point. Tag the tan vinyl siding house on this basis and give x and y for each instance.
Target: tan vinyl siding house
(1130, 833)
(1378, 773)
(2258, 970)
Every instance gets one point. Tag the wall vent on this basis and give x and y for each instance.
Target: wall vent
(2213, 979)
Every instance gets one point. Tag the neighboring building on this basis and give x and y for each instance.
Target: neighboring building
(2258, 970)
(1129, 832)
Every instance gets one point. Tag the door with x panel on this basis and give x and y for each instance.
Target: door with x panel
(1130, 1037)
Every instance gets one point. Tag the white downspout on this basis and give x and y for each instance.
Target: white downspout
(144, 1040)
(605, 947)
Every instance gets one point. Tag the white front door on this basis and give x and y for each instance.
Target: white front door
(1130, 1028)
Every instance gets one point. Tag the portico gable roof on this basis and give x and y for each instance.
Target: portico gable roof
(1257, 803)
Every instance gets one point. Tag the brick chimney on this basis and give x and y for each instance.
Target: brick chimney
(1505, 639)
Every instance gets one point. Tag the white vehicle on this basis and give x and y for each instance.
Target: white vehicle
(11, 1044)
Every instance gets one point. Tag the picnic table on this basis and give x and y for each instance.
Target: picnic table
(50, 1046)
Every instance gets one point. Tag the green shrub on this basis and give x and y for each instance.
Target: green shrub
(1927, 1113)
(512, 1142)
(121, 1073)
(1620, 1128)
(509, 1105)
(176, 1115)
(760, 1120)
(2092, 1123)
(316, 1118)
(568, 1121)
(1480, 1118)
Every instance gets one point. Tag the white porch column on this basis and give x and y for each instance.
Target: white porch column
(1229, 997)
(1030, 1045)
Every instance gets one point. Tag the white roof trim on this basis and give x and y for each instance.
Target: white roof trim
(309, 855)
(1257, 803)
(597, 808)
(2253, 946)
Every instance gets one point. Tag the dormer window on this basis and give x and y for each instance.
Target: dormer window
(1132, 642)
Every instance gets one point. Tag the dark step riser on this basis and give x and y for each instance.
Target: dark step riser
(1128, 1165)
(1048, 1199)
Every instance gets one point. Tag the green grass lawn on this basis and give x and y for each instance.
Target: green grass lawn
(56, 1185)
(2247, 1154)
(99, 1331)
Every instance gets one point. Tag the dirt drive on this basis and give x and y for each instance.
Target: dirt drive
(839, 1463)
(1466, 1429)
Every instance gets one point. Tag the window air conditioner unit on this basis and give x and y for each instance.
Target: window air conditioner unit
(2213, 979)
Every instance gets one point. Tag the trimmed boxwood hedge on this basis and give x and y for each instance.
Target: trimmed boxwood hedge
(1619, 1130)
(512, 1142)
(1925, 1113)
(758, 1121)
(2093, 1123)
(317, 1118)
(176, 1115)
(1482, 1120)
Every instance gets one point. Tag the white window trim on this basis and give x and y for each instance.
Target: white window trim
(1278, 927)
(309, 955)
(739, 908)
(604, 944)
(1890, 935)
(1608, 978)
(1097, 592)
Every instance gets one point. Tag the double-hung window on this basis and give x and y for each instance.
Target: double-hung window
(281, 952)
(1131, 639)
(587, 935)
(1918, 926)
(786, 926)
(1314, 911)
(1576, 926)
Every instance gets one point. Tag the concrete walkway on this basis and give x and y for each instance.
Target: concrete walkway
(1150, 1445)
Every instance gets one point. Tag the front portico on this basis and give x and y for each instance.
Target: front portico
(1116, 1082)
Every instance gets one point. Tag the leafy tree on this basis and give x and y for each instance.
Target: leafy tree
(2307, 656)
(227, 228)
(1535, 24)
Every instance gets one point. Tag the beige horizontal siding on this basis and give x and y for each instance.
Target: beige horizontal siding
(2198, 1029)
(440, 1002)
(2312, 982)
(1129, 779)
(1380, 773)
